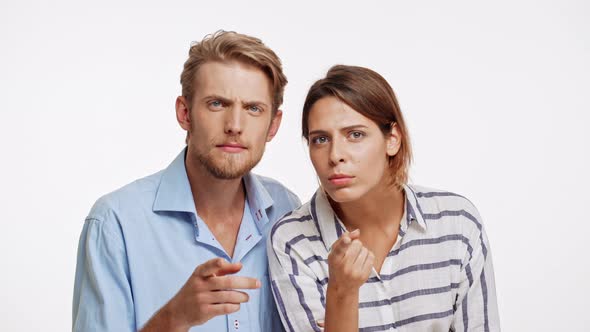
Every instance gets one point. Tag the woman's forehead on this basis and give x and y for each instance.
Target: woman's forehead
(330, 113)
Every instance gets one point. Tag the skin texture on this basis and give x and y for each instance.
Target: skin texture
(350, 155)
(229, 120)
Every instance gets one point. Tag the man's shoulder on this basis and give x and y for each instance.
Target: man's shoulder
(278, 191)
(273, 185)
(138, 193)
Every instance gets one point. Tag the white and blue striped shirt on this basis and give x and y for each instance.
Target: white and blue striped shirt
(437, 277)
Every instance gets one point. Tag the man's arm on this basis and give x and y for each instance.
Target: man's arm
(210, 291)
(102, 294)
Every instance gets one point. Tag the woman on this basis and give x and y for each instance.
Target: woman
(370, 252)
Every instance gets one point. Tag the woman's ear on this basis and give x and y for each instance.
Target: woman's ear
(393, 140)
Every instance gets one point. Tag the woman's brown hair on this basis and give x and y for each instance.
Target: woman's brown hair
(368, 93)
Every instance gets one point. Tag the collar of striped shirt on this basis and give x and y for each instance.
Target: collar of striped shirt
(331, 227)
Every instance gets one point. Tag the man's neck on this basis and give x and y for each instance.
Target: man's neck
(213, 196)
(219, 203)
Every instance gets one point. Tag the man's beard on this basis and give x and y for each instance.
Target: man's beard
(231, 167)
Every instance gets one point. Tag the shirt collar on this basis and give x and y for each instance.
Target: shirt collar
(331, 228)
(258, 198)
(413, 211)
(326, 220)
(174, 192)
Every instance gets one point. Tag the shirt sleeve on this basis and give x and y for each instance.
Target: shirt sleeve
(476, 306)
(296, 290)
(102, 292)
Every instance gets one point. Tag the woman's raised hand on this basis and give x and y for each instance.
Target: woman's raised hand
(349, 262)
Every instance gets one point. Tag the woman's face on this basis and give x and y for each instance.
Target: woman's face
(348, 150)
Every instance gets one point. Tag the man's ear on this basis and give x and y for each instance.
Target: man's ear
(183, 113)
(275, 123)
(393, 140)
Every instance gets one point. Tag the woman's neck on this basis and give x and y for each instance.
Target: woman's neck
(382, 208)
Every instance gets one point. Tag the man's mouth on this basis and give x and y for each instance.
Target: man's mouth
(231, 147)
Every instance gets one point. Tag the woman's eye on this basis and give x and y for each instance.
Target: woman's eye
(356, 135)
(319, 140)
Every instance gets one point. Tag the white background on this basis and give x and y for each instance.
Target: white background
(495, 94)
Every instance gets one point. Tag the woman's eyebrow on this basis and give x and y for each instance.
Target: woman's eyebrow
(317, 131)
(347, 128)
(357, 126)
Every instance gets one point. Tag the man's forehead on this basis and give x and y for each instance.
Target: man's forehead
(233, 79)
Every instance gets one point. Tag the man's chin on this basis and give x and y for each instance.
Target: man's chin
(226, 167)
(229, 172)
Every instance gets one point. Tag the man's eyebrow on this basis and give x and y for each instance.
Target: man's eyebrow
(347, 128)
(229, 101)
(255, 102)
(217, 97)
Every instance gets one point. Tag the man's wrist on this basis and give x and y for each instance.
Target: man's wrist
(166, 319)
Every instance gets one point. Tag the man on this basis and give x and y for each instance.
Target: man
(185, 248)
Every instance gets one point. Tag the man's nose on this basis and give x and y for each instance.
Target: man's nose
(233, 120)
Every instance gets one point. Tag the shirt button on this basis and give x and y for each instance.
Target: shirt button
(236, 324)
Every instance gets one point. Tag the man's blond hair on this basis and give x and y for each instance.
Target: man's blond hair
(227, 46)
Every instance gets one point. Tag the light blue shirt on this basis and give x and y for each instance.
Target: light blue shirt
(140, 244)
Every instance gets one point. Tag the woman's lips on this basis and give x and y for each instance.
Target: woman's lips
(340, 180)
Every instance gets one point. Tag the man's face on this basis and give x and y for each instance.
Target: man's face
(229, 119)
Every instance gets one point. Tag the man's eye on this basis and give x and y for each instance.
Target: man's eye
(255, 109)
(216, 103)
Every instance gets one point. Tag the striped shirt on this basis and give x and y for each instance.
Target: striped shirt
(437, 277)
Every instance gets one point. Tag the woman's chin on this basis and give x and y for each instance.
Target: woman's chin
(343, 195)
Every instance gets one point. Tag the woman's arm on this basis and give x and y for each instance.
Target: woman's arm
(350, 265)
(477, 308)
(298, 293)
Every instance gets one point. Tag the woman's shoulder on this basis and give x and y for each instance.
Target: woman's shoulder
(446, 210)
(292, 224)
(438, 200)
